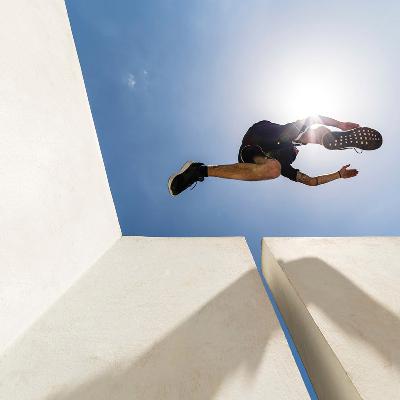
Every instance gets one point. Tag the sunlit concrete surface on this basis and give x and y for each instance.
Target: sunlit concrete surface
(57, 216)
(340, 298)
(158, 318)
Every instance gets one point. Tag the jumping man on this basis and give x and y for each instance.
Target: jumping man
(269, 149)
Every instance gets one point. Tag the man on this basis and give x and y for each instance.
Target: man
(269, 149)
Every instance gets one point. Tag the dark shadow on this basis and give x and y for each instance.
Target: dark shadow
(229, 332)
(347, 305)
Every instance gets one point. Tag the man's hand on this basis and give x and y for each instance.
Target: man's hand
(346, 126)
(347, 173)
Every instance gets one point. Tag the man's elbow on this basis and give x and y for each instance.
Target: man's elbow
(313, 182)
(309, 181)
(306, 180)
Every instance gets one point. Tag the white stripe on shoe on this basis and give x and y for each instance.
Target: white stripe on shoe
(182, 170)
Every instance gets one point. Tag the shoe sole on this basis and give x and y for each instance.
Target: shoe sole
(361, 138)
(172, 177)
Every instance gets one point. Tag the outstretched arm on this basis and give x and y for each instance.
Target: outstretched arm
(327, 121)
(344, 126)
(320, 180)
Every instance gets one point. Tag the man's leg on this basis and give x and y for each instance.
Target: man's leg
(191, 172)
(362, 138)
(263, 169)
(314, 135)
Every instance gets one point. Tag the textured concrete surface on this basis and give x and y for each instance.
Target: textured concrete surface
(56, 211)
(340, 298)
(162, 319)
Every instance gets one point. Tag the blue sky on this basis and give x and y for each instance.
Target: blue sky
(171, 81)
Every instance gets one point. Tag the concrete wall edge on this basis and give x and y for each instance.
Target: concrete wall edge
(326, 373)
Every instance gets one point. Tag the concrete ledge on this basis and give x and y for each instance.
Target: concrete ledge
(158, 318)
(340, 300)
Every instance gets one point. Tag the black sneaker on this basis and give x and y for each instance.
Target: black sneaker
(361, 138)
(190, 173)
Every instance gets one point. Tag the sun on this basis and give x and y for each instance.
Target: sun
(304, 95)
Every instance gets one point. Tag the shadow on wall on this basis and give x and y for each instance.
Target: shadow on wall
(192, 361)
(348, 306)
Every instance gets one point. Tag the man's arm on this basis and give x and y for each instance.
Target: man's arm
(320, 180)
(327, 121)
(344, 126)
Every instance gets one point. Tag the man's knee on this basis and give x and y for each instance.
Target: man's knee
(275, 169)
(314, 135)
(321, 130)
(270, 169)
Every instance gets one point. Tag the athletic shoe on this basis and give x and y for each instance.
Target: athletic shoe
(360, 138)
(190, 173)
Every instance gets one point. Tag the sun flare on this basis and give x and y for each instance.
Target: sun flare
(304, 94)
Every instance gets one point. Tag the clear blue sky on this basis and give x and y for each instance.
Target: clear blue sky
(171, 81)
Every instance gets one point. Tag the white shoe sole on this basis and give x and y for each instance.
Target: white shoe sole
(183, 169)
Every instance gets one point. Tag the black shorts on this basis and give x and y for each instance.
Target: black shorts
(273, 141)
(266, 138)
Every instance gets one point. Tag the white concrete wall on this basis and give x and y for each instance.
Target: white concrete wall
(56, 211)
(340, 298)
(158, 319)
